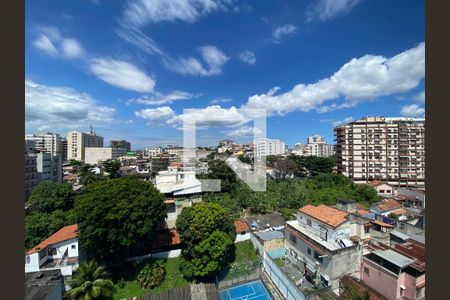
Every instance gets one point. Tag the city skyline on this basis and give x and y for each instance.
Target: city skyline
(131, 71)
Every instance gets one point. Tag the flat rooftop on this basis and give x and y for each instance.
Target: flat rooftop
(394, 257)
(329, 246)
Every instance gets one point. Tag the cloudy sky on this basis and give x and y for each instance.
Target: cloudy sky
(131, 67)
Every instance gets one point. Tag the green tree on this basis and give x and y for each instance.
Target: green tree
(245, 159)
(208, 257)
(49, 196)
(117, 215)
(196, 223)
(218, 169)
(211, 155)
(354, 293)
(152, 274)
(207, 231)
(90, 281)
(87, 176)
(39, 226)
(112, 167)
(271, 160)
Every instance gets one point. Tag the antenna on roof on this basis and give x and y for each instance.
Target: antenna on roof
(92, 131)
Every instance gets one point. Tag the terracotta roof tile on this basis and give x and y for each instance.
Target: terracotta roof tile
(362, 212)
(388, 204)
(64, 234)
(241, 226)
(325, 214)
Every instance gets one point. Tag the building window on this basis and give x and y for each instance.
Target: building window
(308, 221)
(317, 256)
(293, 238)
(309, 251)
(366, 270)
(74, 246)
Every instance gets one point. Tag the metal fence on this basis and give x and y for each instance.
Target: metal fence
(238, 272)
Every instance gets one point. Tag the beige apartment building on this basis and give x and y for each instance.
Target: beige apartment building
(385, 149)
(95, 155)
(78, 141)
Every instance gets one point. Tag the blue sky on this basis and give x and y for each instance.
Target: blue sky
(131, 67)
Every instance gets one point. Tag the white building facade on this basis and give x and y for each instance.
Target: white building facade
(265, 147)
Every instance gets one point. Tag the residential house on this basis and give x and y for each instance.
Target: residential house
(178, 180)
(59, 251)
(242, 231)
(397, 272)
(319, 242)
(44, 285)
(389, 206)
(267, 222)
(271, 240)
(383, 189)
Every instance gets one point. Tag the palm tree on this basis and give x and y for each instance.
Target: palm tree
(90, 281)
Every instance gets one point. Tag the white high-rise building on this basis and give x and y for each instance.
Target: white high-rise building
(31, 176)
(385, 149)
(78, 141)
(316, 146)
(46, 142)
(266, 147)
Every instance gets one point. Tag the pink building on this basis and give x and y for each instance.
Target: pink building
(396, 272)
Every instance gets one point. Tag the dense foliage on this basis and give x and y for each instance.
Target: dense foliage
(90, 281)
(112, 167)
(152, 274)
(50, 209)
(49, 196)
(116, 215)
(207, 232)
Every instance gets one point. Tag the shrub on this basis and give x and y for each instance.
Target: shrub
(152, 274)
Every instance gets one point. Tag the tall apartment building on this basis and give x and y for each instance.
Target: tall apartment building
(49, 167)
(154, 151)
(46, 142)
(31, 179)
(316, 146)
(48, 154)
(385, 149)
(120, 144)
(78, 141)
(266, 147)
(64, 149)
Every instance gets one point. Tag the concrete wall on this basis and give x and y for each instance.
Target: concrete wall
(380, 279)
(242, 237)
(32, 262)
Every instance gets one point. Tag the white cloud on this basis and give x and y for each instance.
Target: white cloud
(44, 44)
(214, 59)
(52, 43)
(244, 131)
(62, 108)
(211, 116)
(155, 115)
(361, 79)
(220, 100)
(324, 10)
(248, 57)
(66, 16)
(420, 97)
(413, 111)
(71, 48)
(142, 12)
(122, 74)
(344, 121)
(282, 31)
(159, 98)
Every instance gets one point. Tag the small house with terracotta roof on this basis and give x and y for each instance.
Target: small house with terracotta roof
(389, 206)
(58, 251)
(383, 189)
(319, 242)
(242, 231)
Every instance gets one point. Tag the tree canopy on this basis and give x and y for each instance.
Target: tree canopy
(112, 167)
(208, 234)
(49, 196)
(117, 214)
